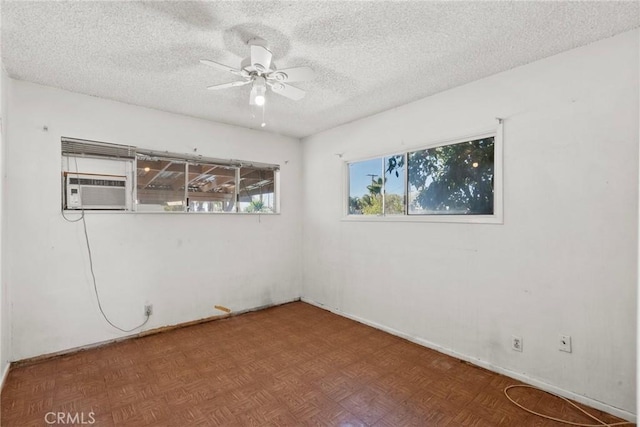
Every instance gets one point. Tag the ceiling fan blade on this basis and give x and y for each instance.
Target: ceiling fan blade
(260, 58)
(219, 66)
(296, 74)
(230, 84)
(288, 91)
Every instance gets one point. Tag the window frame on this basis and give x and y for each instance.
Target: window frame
(498, 199)
(73, 148)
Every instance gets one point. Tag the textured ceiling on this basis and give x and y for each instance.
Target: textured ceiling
(368, 56)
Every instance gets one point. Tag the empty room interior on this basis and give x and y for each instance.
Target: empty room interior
(340, 213)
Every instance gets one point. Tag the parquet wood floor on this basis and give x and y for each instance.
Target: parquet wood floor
(285, 366)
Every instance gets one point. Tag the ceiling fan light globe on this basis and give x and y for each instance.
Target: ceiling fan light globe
(259, 100)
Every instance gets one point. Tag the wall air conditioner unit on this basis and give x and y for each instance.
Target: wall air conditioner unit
(95, 192)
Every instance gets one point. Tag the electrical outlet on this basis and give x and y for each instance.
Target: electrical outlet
(516, 343)
(565, 343)
(148, 310)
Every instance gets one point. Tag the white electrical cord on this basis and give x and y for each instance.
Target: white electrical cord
(548, 417)
(93, 275)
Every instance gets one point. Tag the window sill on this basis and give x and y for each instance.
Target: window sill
(122, 212)
(456, 219)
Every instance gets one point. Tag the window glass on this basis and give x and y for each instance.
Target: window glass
(256, 190)
(365, 187)
(454, 179)
(160, 185)
(211, 188)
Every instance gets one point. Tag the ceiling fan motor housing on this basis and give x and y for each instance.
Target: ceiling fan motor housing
(259, 69)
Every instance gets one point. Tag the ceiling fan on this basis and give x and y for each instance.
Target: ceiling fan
(260, 71)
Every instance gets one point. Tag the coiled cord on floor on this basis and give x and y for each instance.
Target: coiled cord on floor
(560, 420)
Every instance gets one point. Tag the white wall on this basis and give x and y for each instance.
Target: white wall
(5, 325)
(183, 264)
(563, 262)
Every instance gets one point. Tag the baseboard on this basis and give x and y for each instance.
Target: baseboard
(596, 404)
(4, 376)
(161, 329)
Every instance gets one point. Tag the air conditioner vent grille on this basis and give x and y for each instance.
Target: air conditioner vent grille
(97, 182)
(96, 197)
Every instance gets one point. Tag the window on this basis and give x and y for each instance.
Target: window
(160, 185)
(456, 179)
(256, 191)
(165, 182)
(365, 187)
(375, 188)
(212, 188)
